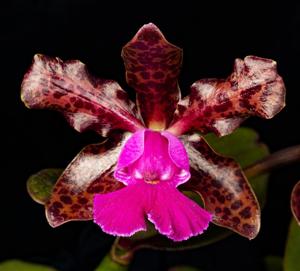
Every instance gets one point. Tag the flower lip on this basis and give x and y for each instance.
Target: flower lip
(152, 157)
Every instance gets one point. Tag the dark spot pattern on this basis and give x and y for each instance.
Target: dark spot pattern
(152, 67)
(295, 202)
(72, 196)
(223, 187)
(86, 102)
(219, 106)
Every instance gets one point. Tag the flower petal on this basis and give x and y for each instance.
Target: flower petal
(223, 187)
(157, 153)
(152, 68)
(89, 173)
(254, 88)
(175, 215)
(131, 152)
(123, 212)
(87, 102)
(179, 157)
(295, 202)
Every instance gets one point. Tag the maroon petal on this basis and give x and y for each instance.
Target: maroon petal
(90, 173)
(152, 68)
(87, 103)
(254, 88)
(223, 187)
(295, 202)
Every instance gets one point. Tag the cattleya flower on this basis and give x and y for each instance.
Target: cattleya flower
(154, 149)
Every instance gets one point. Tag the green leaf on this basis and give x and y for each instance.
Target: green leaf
(108, 264)
(40, 185)
(292, 250)
(17, 265)
(273, 263)
(244, 146)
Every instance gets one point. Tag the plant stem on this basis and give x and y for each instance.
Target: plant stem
(119, 257)
(273, 161)
(108, 264)
(121, 251)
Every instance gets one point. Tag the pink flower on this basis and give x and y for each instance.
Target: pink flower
(133, 176)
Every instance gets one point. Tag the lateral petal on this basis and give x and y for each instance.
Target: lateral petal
(86, 102)
(90, 172)
(223, 187)
(219, 106)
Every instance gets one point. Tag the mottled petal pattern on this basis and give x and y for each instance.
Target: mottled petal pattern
(123, 212)
(86, 102)
(254, 88)
(89, 173)
(223, 187)
(152, 67)
(295, 202)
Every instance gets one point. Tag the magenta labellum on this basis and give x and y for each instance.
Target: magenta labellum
(151, 165)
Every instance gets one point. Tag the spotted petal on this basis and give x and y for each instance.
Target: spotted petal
(152, 68)
(89, 173)
(223, 187)
(86, 102)
(295, 202)
(254, 88)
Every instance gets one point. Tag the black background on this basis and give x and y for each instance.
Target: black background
(212, 36)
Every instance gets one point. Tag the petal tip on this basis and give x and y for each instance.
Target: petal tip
(53, 222)
(150, 27)
(149, 33)
(38, 57)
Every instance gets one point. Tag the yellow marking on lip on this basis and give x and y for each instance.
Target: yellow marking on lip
(157, 126)
(152, 181)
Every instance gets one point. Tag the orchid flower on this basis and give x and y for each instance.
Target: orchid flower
(154, 149)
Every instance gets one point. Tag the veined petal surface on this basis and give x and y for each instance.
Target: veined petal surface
(90, 172)
(223, 187)
(86, 102)
(219, 106)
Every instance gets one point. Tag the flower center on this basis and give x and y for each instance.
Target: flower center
(151, 181)
(153, 157)
(155, 164)
(151, 178)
